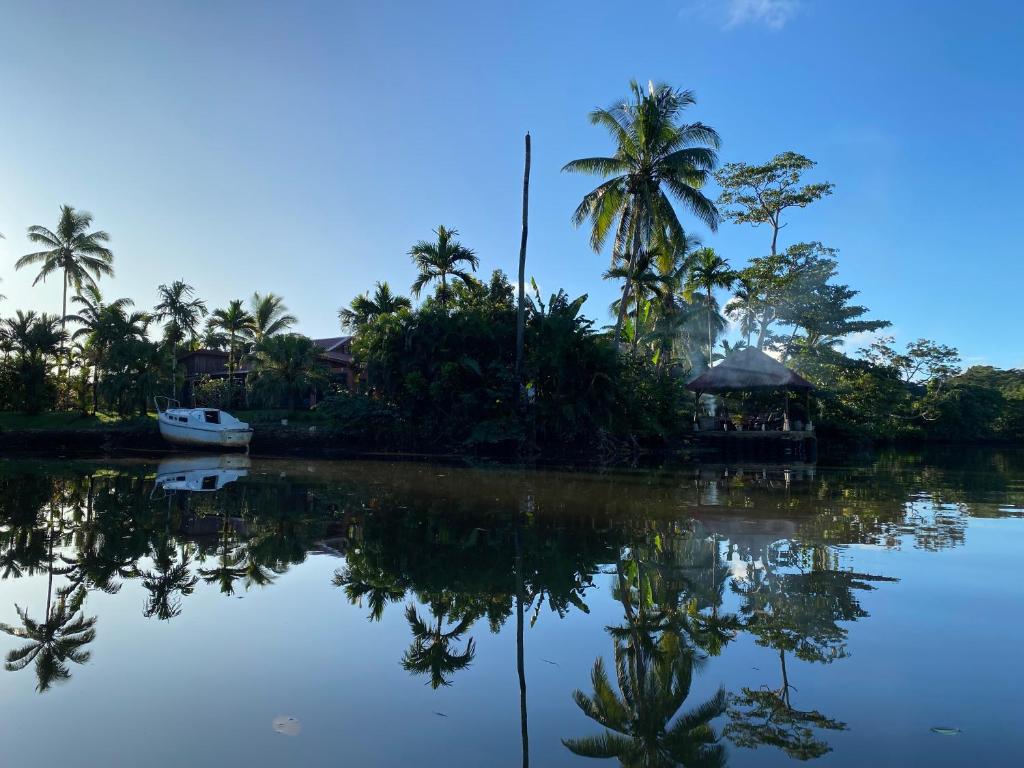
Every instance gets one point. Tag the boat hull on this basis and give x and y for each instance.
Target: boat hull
(193, 437)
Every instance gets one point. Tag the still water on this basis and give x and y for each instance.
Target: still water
(217, 612)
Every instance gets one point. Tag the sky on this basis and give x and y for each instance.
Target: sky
(303, 147)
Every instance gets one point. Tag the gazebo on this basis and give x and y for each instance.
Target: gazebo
(750, 370)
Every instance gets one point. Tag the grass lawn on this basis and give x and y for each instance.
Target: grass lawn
(71, 420)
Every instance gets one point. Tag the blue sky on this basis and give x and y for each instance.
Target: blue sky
(302, 148)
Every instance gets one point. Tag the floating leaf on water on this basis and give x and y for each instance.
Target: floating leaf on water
(943, 730)
(287, 725)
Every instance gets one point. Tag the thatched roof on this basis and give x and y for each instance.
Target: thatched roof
(748, 369)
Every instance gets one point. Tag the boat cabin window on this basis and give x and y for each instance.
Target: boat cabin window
(212, 417)
(209, 483)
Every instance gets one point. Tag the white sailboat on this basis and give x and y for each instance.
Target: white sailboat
(200, 427)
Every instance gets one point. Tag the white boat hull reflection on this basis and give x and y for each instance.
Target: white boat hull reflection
(201, 474)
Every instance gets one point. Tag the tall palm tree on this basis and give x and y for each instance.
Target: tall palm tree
(80, 255)
(269, 316)
(441, 259)
(234, 322)
(657, 158)
(709, 271)
(181, 311)
(365, 308)
(93, 315)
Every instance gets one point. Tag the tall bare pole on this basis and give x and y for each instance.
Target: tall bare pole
(521, 309)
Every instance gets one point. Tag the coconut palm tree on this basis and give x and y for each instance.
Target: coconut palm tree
(92, 315)
(646, 282)
(285, 368)
(269, 316)
(658, 159)
(234, 322)
(365, 308)
(80, 255)
(441, 259)
(709, 271)
(180, 311)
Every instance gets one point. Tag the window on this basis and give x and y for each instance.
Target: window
(212, 417)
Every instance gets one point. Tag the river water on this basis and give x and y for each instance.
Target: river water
(208, 611)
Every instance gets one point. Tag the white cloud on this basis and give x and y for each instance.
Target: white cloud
(771, 13)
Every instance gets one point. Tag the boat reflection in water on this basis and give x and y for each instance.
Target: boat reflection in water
(200, 473)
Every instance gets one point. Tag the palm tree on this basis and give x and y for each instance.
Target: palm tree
(234, 322)
(430, 653)
(657, 158)
(743, 306)
(269, 316)
(643, 724)
(365, 308)
(646, 281)
(285, 367)
(92, 316)
(437, 260)
(72, 250)
(709, 271)
(181, 311)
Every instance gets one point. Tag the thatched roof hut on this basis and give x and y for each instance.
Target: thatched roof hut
(748, 370)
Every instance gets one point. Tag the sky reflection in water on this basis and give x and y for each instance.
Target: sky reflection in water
(212, 612)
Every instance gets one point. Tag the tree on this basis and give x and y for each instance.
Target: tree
(93, 317)
(269, 316)
(759, 194)
(284, 368)
(80, 255)
(234, 322)
(34, 339)
(657, 158)
(645, 281)
(521, 297)
(439, 259)
(365, 308)
(181, 311)
(709, 271)
(923, 361)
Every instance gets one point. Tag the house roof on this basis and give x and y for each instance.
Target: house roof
(748, 369)
(206, 352)
(331, 344)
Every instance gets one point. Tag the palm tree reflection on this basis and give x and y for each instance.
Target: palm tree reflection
(430, 652)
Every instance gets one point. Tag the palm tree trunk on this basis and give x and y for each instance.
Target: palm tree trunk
(444, 291)
(521, 308)
(63, 324)
(622, 304)
(710, 341)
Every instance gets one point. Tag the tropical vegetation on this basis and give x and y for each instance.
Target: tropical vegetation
(454, 372)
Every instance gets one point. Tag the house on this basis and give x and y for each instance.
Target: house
(335, 355)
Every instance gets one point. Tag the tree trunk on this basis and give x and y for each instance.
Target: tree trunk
(521, 307)
(711, 343)
(622, 304)
(63, 322)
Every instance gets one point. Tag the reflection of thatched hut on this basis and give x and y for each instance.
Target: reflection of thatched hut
(750, 370)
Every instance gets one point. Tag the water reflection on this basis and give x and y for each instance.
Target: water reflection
(693, 562)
